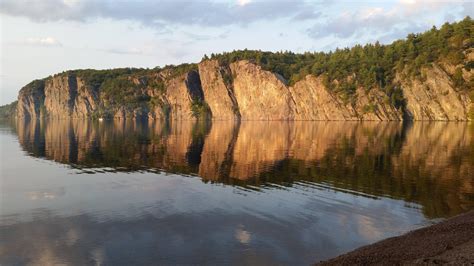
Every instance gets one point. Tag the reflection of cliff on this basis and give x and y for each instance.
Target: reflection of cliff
(258, 147)
(217, 150)
(122, 145)
(427, 163)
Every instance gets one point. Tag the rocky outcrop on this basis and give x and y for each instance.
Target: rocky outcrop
(31, 100)
(434, 97)
(67, 95)
(313, 101)
(263, 95)
(86, 100)
(374, 105)
(260, 94)
(218, 91)
(181, 93)
(243, 90)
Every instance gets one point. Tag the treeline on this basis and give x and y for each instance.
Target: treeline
(371, 65)
(8, 111)
(343, 70)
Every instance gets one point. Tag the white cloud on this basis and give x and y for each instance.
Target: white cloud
(133, 50)
(243, 2)
(404, 16)
(43, 41)
(157, 14)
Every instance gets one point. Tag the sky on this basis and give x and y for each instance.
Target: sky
(39, 38)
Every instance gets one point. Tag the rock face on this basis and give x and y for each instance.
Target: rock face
(435, 98)
(218, 93)
(69, 96)
(243, 90)
(181, 93)
(30, 100)
(315, 102)
(261, 95)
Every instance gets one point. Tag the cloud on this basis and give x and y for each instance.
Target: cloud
(159, 14)
(131, 51)
(45, 41)
(348, 23)
(243, 2)
(307, 15)
(401, 18)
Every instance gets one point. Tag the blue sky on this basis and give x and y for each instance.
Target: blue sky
(43, 37)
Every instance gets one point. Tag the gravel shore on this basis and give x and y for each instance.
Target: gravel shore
(449, 242)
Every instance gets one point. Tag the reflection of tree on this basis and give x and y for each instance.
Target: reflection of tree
(427, 163)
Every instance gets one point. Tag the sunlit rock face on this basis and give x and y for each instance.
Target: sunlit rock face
(314, 102)
(260, 95)
(218, 90)
(180, 94)
(244, 91)
(434, 97)
(69, 96)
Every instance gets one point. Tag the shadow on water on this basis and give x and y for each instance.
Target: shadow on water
(431, 164)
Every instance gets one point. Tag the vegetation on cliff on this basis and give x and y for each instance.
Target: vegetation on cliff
(126, 88)
(383, 74)
(372, 65)
(8, 111)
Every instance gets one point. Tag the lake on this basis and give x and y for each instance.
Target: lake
(249, 193)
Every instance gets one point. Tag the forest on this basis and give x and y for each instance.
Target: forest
(371, 65)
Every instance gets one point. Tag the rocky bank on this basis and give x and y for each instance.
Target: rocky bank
(242, 90)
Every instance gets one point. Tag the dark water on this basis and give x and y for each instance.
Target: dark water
(253, 193)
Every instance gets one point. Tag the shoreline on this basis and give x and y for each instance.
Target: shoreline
(448, 242)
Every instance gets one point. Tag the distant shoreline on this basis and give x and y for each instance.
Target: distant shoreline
(450, 241)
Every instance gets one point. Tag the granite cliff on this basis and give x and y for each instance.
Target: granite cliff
(243, 90)
(428, 76)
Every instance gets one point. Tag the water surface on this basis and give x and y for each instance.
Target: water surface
(80, 192)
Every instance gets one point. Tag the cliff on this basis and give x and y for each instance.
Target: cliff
(426, 76)
(256, 94)
(243, 90)
(134, 94)
(435, 97)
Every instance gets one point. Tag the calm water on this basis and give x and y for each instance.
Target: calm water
(111, 193)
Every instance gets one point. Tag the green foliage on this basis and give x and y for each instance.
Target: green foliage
(180, 69)
(471, 109)
(457, 78)
(370, 108)
(123, 92)
(95, 78)
(471, 113)
(200, 109)
(127, 87)
(371, 65)
(35, 86)
(8, 111)
(227, 77)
